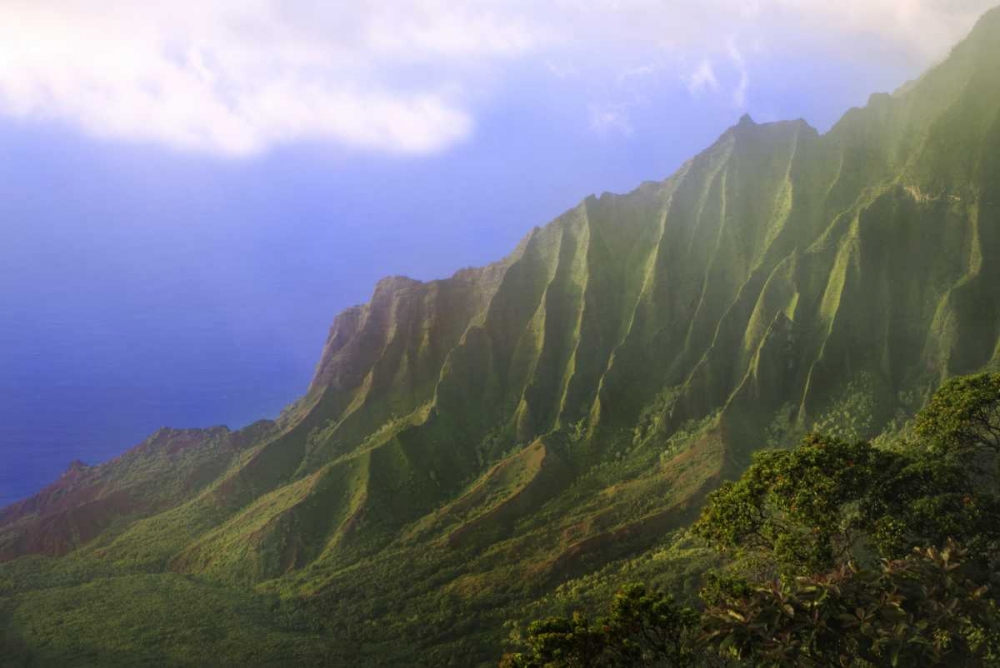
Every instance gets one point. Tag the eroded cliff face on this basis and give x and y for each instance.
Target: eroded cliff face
(574, 401)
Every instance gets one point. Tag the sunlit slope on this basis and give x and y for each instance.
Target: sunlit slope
(163, 471)
(775, 277)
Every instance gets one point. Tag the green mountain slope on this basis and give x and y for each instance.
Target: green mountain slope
(468, 444)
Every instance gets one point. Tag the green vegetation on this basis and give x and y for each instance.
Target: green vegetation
(162, 619)
(924, 610)
(641, 629)
(523, 439)
(963, 416)
(831, 560)
(827, 501)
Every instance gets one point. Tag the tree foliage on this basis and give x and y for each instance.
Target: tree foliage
(826, 502)
(642, 628)
(963, 415)
(923, 610)
(799, 506)
(861, 557)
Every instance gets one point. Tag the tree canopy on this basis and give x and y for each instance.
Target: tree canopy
(840, 554)
(642, 628)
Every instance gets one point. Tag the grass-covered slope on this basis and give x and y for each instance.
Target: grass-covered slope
(91, 501)
(469, 444)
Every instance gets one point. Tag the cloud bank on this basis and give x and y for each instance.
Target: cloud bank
(236, 77)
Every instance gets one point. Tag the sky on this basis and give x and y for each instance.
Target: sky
(190, 191)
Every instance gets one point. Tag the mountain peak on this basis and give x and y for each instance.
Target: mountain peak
(392, 283)
(988, 21)
(76, 465)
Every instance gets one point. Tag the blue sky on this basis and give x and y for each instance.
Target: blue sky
(189, 194)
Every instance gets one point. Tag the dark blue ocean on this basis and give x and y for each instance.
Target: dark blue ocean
(85, 376)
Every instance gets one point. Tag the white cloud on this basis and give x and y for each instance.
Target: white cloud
(920, 30)
(638, 72)
(561, 71)
(740, 92)
(607, 120)
(703, 77)
(235, 77)
(917, 30)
